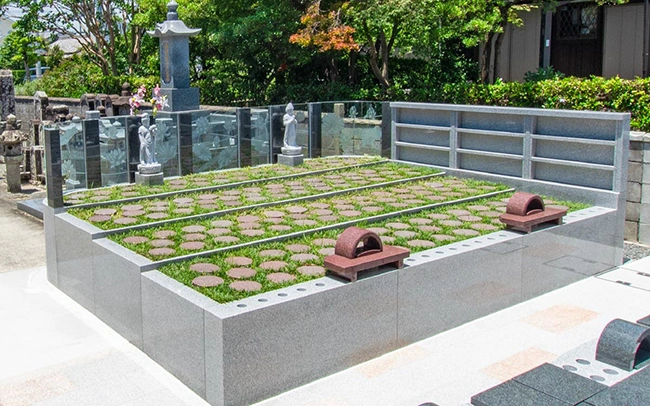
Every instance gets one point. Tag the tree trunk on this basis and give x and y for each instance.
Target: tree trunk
(497, 56)
(485, 59)
(352, 68)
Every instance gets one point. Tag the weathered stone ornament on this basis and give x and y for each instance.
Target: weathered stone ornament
(526, 210)
(291, 152)
(149, 170)
(11, 142)
(358, 250)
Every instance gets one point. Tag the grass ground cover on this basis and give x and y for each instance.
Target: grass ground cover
(270, 266)
(191, 236)
(212, 179)
(112, 216)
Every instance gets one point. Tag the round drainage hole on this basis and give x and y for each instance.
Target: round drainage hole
(262, 300)
(596, 378)
(570, 368)
(282, 294)
(452, 249)
(502, 235)
(301, 289)
(440, 252)
(610, 371)
(241, 305)
(490, 238)
(465, 245)
(320, 284)
(410, 260)
(425, 256)
(582, 361)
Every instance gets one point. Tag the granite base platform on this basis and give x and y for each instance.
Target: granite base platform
(230, 354)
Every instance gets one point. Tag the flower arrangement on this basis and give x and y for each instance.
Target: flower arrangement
(158, 100)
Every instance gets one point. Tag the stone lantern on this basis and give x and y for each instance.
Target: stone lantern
(11, 147)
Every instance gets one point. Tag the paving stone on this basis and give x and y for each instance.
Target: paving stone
(221, 223)
(125, 220)
(239, 261)
(311, 270)
(458, 212)
(160, 252)
(194, 237)
(478, 208)
(429, 229)
(273, 265)
(218, 231)
(378, 230)
(183, 200)
(414, 201)
(303, 257)
(241, 273)
(319, 205)
(249, 226)
(157, 209)
(273, 220)
(327, 251)
(372, 209)
(490, 213)
(131, 207)
(398, 226)
(207, 196)
(161, 243)
(164, 234)
(298, 216)
(328, 219)
(344, 207)
(272, 253)
(227, 199)
(420, 221)
(399, 205)
(421, 243)
(232, 203)
(469, 233)
(208, 206)
(386, 199)
(274, 213)
(135, 240)
(350, 213)
(481, 226)
(99, 219)
(305, 222)
(99, 198)
(324, 242)
(102, 192)
(192, 245)
(226, 239)
(451, 223)
(297, 248)
(193, 229)
(204, 267)
(279, 227)
(253, 233)
(442, 237)
(387, 239)
(404, 234)
(248, 219)
(296, 209)
(183, 211)
(322, 212)
(133, 213)
(470, 218)
(157, 216)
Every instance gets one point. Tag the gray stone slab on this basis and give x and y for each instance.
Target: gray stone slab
(74, 256)
(314, 335)
(173, 331)
(456, 284)
(290, 160)
(51, 260)
(560, 383)
(621, 342)
(33, 207)
(118, 294)
(623, 393)
(511, 393)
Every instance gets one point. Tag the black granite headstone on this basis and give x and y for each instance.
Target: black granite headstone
(185, 142)
(386, 130)
(244, 136)
(315, 129)
(91, 145)
(54, 176)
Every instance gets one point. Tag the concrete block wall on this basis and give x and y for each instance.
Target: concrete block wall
(637, 205)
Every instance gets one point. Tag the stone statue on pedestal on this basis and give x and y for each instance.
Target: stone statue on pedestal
(147, 136)
(290, 123)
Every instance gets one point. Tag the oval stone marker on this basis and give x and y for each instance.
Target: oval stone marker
(324, 242)
(162, 243)
(204, 267)
(481, 226)
(164, 233)
(131, 207)
(273, 265)
(194, 237)
(159, 252)
(135, 240)
(192, 245)
(221, 223)
(280, 277)
(241, 273)
(99, 219)
(303, 257)
(421, 243)
(239, 261)
(245, 286)
(133, 213)
(311, 270)
(466, 232)
(398, 226)
(125, 220)
(193, 229)
(297, 248)
(105, 212)
(218, 231)
(226, 239)
(272, 253)
(207, 281)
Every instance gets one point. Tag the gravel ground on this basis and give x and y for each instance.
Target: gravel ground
(634, 251)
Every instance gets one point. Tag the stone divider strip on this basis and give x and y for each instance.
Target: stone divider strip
(219, 187)
(155, 264)
(105, 233)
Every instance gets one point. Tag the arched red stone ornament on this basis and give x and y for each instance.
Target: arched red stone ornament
(358, 250)
(526, 210)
